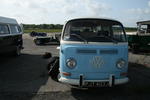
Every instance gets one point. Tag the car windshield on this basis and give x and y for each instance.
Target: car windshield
(94, 31)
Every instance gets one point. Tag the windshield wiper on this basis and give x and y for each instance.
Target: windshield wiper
(113, 40)
(78, 36)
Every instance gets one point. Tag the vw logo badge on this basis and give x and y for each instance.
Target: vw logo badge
(97, 61)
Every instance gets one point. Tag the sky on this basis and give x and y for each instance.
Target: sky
(58, 11)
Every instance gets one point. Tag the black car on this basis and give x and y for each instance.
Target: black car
(46, 40)
(42, 34)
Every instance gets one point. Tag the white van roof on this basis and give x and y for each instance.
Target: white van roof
(8, 20)
(95, 18)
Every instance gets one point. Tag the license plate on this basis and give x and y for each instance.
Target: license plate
(96, 84)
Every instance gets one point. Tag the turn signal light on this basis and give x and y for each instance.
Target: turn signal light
(123, 74)
(66, 74)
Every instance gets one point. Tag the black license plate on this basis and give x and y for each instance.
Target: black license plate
(96, 84)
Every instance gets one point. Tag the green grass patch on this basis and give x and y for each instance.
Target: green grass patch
(42, 30)
(59, 30)
(130, 30)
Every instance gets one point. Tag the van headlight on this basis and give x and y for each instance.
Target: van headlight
(71, 63)
(121, 63)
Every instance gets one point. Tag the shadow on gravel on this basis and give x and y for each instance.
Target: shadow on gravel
(138, 88)
(22, 76)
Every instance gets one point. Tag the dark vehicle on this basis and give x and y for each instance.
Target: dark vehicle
(33, 34)
(141, 40)
(47, 40)
(10, 36)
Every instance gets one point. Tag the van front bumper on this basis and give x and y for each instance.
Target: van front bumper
(78, 82)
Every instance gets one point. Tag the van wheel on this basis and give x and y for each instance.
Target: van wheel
(17, 51)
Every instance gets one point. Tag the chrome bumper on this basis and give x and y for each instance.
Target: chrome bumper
(78, 81)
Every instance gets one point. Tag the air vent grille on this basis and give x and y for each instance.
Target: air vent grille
(86, 51)
(109, 51)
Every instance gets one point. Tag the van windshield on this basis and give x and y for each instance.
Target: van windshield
(94, 31)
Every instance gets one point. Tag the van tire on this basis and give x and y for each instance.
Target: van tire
(17, 51)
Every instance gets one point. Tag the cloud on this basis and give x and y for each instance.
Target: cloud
(87, 7)
(140, 10)
(96, 8)
(51, 11)
(137, 14)
(149, 3)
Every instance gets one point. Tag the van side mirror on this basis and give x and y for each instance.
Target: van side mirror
(21, 28)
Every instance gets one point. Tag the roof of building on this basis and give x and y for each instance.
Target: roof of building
(144, 22)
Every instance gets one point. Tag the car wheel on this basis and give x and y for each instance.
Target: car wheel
(134, 49)
(37, 42)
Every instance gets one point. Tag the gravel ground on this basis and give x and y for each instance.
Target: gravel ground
(25, 78)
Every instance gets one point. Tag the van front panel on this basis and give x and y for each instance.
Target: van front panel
(94, 61)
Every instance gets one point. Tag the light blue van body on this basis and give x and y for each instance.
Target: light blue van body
(95, 63)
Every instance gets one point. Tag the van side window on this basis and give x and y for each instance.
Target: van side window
(19, 29)
(118, 32)
(4, 29)
(14, 29)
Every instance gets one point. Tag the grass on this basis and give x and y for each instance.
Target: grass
(130, 30)
(59, 30)
(42, 30)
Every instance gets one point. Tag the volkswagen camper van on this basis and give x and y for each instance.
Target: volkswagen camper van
(93, 53)
(10, 36)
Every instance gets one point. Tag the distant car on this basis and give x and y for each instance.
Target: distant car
(45, 40)
(33, 34)
(10, 36)
(140, 40)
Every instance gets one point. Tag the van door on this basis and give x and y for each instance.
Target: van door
(16, 35)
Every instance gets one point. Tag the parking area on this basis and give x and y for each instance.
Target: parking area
(26, 78)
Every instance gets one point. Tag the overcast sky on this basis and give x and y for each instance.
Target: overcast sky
(58, 11)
